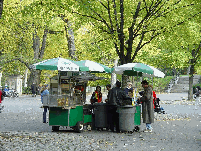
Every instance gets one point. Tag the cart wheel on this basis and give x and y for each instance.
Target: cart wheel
(163, 112)
(136, 129)
(99, 129)
(130, 132)
(89, 127)
(79, 127)
(55, 128)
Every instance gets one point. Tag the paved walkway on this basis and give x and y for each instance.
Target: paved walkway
(172, 96)
(21, 128)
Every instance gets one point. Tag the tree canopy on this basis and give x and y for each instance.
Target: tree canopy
(155, 32)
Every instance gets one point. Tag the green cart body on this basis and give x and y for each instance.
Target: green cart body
(68, 117)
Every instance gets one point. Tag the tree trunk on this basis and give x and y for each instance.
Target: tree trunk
(38, 54)
(25, 78)
(190, 92)
(36, 45)
(192, 61)
(34, 77)
(1, 8)
(42, 49)
(71, 40)
(125, 79)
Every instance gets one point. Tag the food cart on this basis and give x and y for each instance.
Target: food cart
(66, 101)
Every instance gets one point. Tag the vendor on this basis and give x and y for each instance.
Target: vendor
(96, 96)
(79, 87)
(129, 87)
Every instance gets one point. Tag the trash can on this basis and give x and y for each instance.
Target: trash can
(100, 111)
(126, 118)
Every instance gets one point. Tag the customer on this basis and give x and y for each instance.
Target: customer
(115, 98)
(147, 106)
(197, 95)
(154, 97)
(108, 87)
(96, 96)
(44, 92)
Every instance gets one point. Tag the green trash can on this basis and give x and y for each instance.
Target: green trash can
(137, 118)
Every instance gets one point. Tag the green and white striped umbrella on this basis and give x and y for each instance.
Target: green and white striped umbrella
(134, 69)
(94, 66)
(59, 64)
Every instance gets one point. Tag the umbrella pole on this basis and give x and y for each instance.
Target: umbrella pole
(59, 82)
(137, 85)
(134, 88)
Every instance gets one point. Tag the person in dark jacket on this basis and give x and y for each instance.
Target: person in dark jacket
(33, 89)
(108, 87)
(115, 98)
(113, 116)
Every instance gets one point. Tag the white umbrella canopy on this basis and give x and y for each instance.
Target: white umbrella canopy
(138, 69)
(133, 68)
(94, 66)
(157, 73)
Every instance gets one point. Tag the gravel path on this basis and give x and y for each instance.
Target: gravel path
(21, 128)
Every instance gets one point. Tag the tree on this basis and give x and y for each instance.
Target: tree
(186, 41)
(21, 36)
(130, 26)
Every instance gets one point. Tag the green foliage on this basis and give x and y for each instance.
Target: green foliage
(182, 38)
(103, 82)
(95, 37)
(159, 84)
(26, 90)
